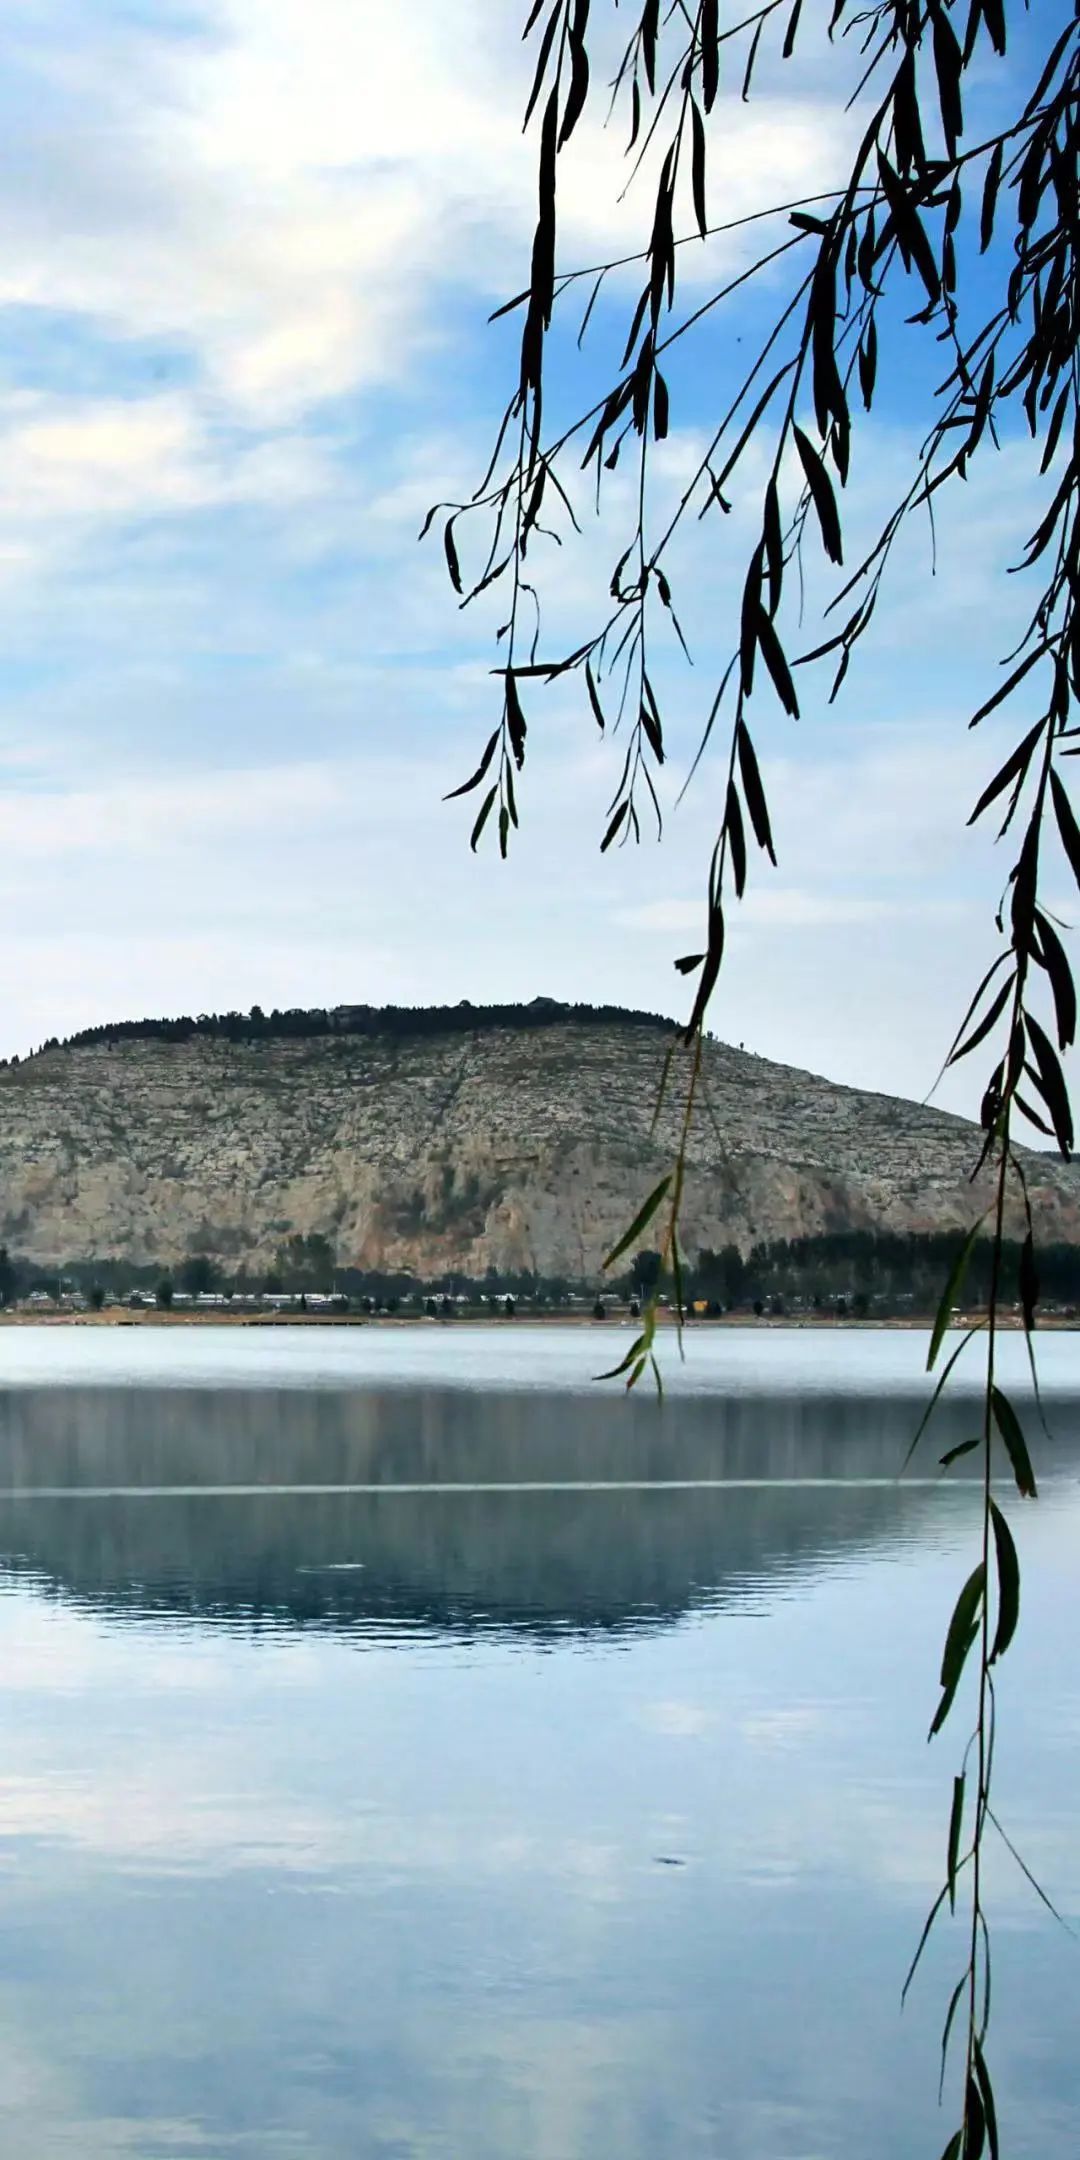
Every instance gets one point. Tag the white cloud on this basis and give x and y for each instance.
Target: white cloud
(286, 195)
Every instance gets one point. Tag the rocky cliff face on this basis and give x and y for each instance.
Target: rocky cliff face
(519, 1149)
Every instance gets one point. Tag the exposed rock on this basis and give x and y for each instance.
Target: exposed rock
(459, 1150)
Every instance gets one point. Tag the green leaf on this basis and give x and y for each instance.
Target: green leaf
(965, 1613)
(956, 1822)
(939, 1389)
(642, 1218)
(1008, 1575)
(950, 1293)
(963, 1628)
(638, 1349)
(1008, 1425)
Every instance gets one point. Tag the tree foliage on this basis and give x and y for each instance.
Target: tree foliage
(976, 240)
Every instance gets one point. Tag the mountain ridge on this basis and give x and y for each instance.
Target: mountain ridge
(456, 1137)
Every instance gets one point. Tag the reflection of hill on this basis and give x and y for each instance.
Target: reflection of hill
(467, 1561)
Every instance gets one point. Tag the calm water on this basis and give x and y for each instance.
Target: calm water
(366, 1789)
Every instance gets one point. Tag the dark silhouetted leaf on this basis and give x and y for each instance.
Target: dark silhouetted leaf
(515, 719)
(963, 1447)
(987, 2093)
(542, 58)
(1054, 959)
(1067, 826)
(979, 1033)
(956, 1820)
(475, 778)
(974, 2122)
(868, 362)
(578, 91)
(821, 489)
(733, 826)
(948, 64)
(690, 963)
(774, 544)
(452, 563)
(1008, 1425)
(710, 51)
(753, 791)
(910, 231)
(751, 609)
(1008, 1576)
(990, 195)
(485, 813)
(661, 406)
(751, 58)
(1051, 1081)
(697, 166)
(594, 699)
(1012, 772)
(1054, 430)
(615, 827)
(773, 656)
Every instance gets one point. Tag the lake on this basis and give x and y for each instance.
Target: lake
(410, 1748)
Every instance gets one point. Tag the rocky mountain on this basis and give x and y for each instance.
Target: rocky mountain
(455, 1141)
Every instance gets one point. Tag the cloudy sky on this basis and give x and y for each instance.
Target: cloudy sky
(249, 251)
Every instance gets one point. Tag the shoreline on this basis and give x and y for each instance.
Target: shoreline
(914, 1323)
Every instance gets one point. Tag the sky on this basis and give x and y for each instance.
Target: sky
(250, 247)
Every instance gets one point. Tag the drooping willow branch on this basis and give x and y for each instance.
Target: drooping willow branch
(915, 212)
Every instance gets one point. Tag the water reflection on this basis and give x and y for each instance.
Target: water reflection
(338, 1825)
(622, 1555)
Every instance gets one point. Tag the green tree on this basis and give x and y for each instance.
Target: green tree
(95, 1297)
(198, 1275)
(164, 1294)
(8, 1277)
(646, 1272)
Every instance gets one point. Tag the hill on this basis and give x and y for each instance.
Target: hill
(519, 1138)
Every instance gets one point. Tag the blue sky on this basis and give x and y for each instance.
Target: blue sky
(242, 347)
